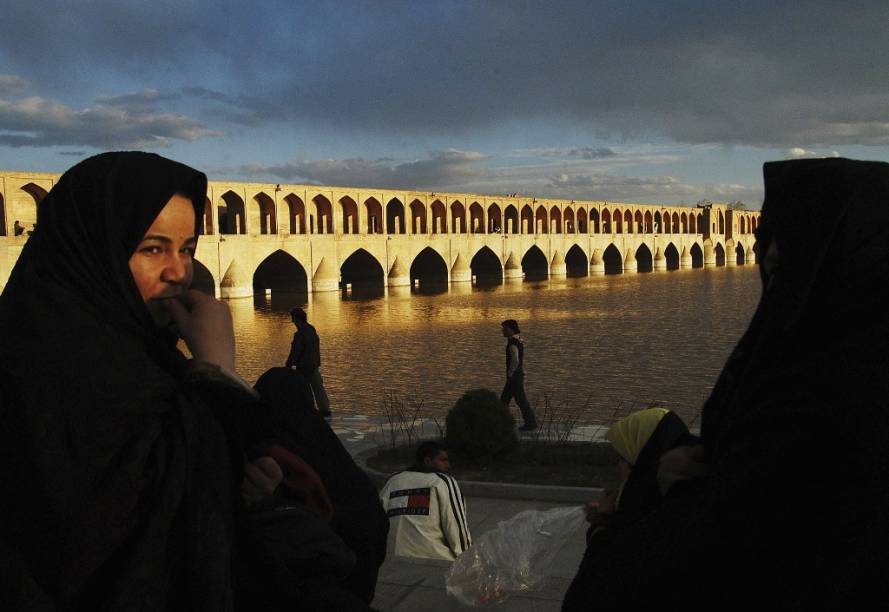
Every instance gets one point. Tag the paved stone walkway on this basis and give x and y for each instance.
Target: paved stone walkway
(406, 585)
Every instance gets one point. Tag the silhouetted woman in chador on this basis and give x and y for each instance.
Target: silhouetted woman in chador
(131, 477)
(794, 511)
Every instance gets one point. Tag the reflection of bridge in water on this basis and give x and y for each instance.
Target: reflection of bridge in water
(260, 237)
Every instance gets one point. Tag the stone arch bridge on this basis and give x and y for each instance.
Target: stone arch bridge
(260, 237)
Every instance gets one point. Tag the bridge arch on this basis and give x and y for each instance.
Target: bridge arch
(576, 262)
(628, 221)
(613, 260)
(555, 220)
(263, 217)
(458, 217)
(431, 270)
(534, 264)
(618, 220)
(296, 213)
(280, 272)
(323, 215)
(594, 221)
(541, 223)
(349, 212)
(649, 222)
(495, 219)
(418, 217)
(658, 223)
(363, 272)
(570, 226)
(486, 267)
(644, 259)
(683, 220)
(439, 218)
(374, 213)
(582, 220)
(721, 224)
(2, 216)
(203, 279)
(230, 214)
(671, 255)
(740, 254)
(26, 209)
(510, 220)
(527, 220)
(719, 251)
(697, 255)
(476, 218)
(693, 223)
(395, 217)
(606, 222)
(639, 222)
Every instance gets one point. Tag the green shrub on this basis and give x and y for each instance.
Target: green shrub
(480, 425)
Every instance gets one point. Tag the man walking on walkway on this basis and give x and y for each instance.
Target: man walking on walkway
(426, 509)
(305, 357)
(515, 374)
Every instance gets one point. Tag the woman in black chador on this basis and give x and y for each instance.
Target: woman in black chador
(793, 513)
(131, 477)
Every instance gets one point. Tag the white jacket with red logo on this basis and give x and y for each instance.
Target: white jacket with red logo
(427, 515)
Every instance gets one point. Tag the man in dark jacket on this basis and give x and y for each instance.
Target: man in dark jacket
(515, 374)
(305, 357)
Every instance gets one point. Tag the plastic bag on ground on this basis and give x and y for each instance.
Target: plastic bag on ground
(514, 557)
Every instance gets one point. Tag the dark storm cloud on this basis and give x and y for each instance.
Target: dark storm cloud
(782, 74)
(449, 168)
(758, 73)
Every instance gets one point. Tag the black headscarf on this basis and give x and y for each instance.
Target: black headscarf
(117, 484)
(795, 512)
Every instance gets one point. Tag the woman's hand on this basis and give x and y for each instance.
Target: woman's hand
(261, 479)
(205, 324)
(681, 463)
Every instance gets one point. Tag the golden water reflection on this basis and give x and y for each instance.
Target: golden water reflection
(622, 340)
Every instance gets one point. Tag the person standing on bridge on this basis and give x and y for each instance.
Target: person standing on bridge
(515, 374)
(305, 357)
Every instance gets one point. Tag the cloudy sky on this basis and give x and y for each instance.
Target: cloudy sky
(630, 101)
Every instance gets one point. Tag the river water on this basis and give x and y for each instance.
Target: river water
(595, 346)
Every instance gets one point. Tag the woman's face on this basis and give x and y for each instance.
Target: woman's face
(162, 262)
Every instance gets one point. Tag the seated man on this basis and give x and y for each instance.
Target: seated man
(427, 513)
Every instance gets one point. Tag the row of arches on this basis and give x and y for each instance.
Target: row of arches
(233, 216)
(372, 217)
(362, 272)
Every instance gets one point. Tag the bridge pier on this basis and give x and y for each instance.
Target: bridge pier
(630, 264)
(326, 277)
(709, 255)
(512, 268)
(558, 267)
(659, 263)
(597, 264)
(685, 259)
(399, 275)
(461, 272)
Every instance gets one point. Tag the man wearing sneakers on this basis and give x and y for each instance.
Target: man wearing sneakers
(427, 513)
(515, 374)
